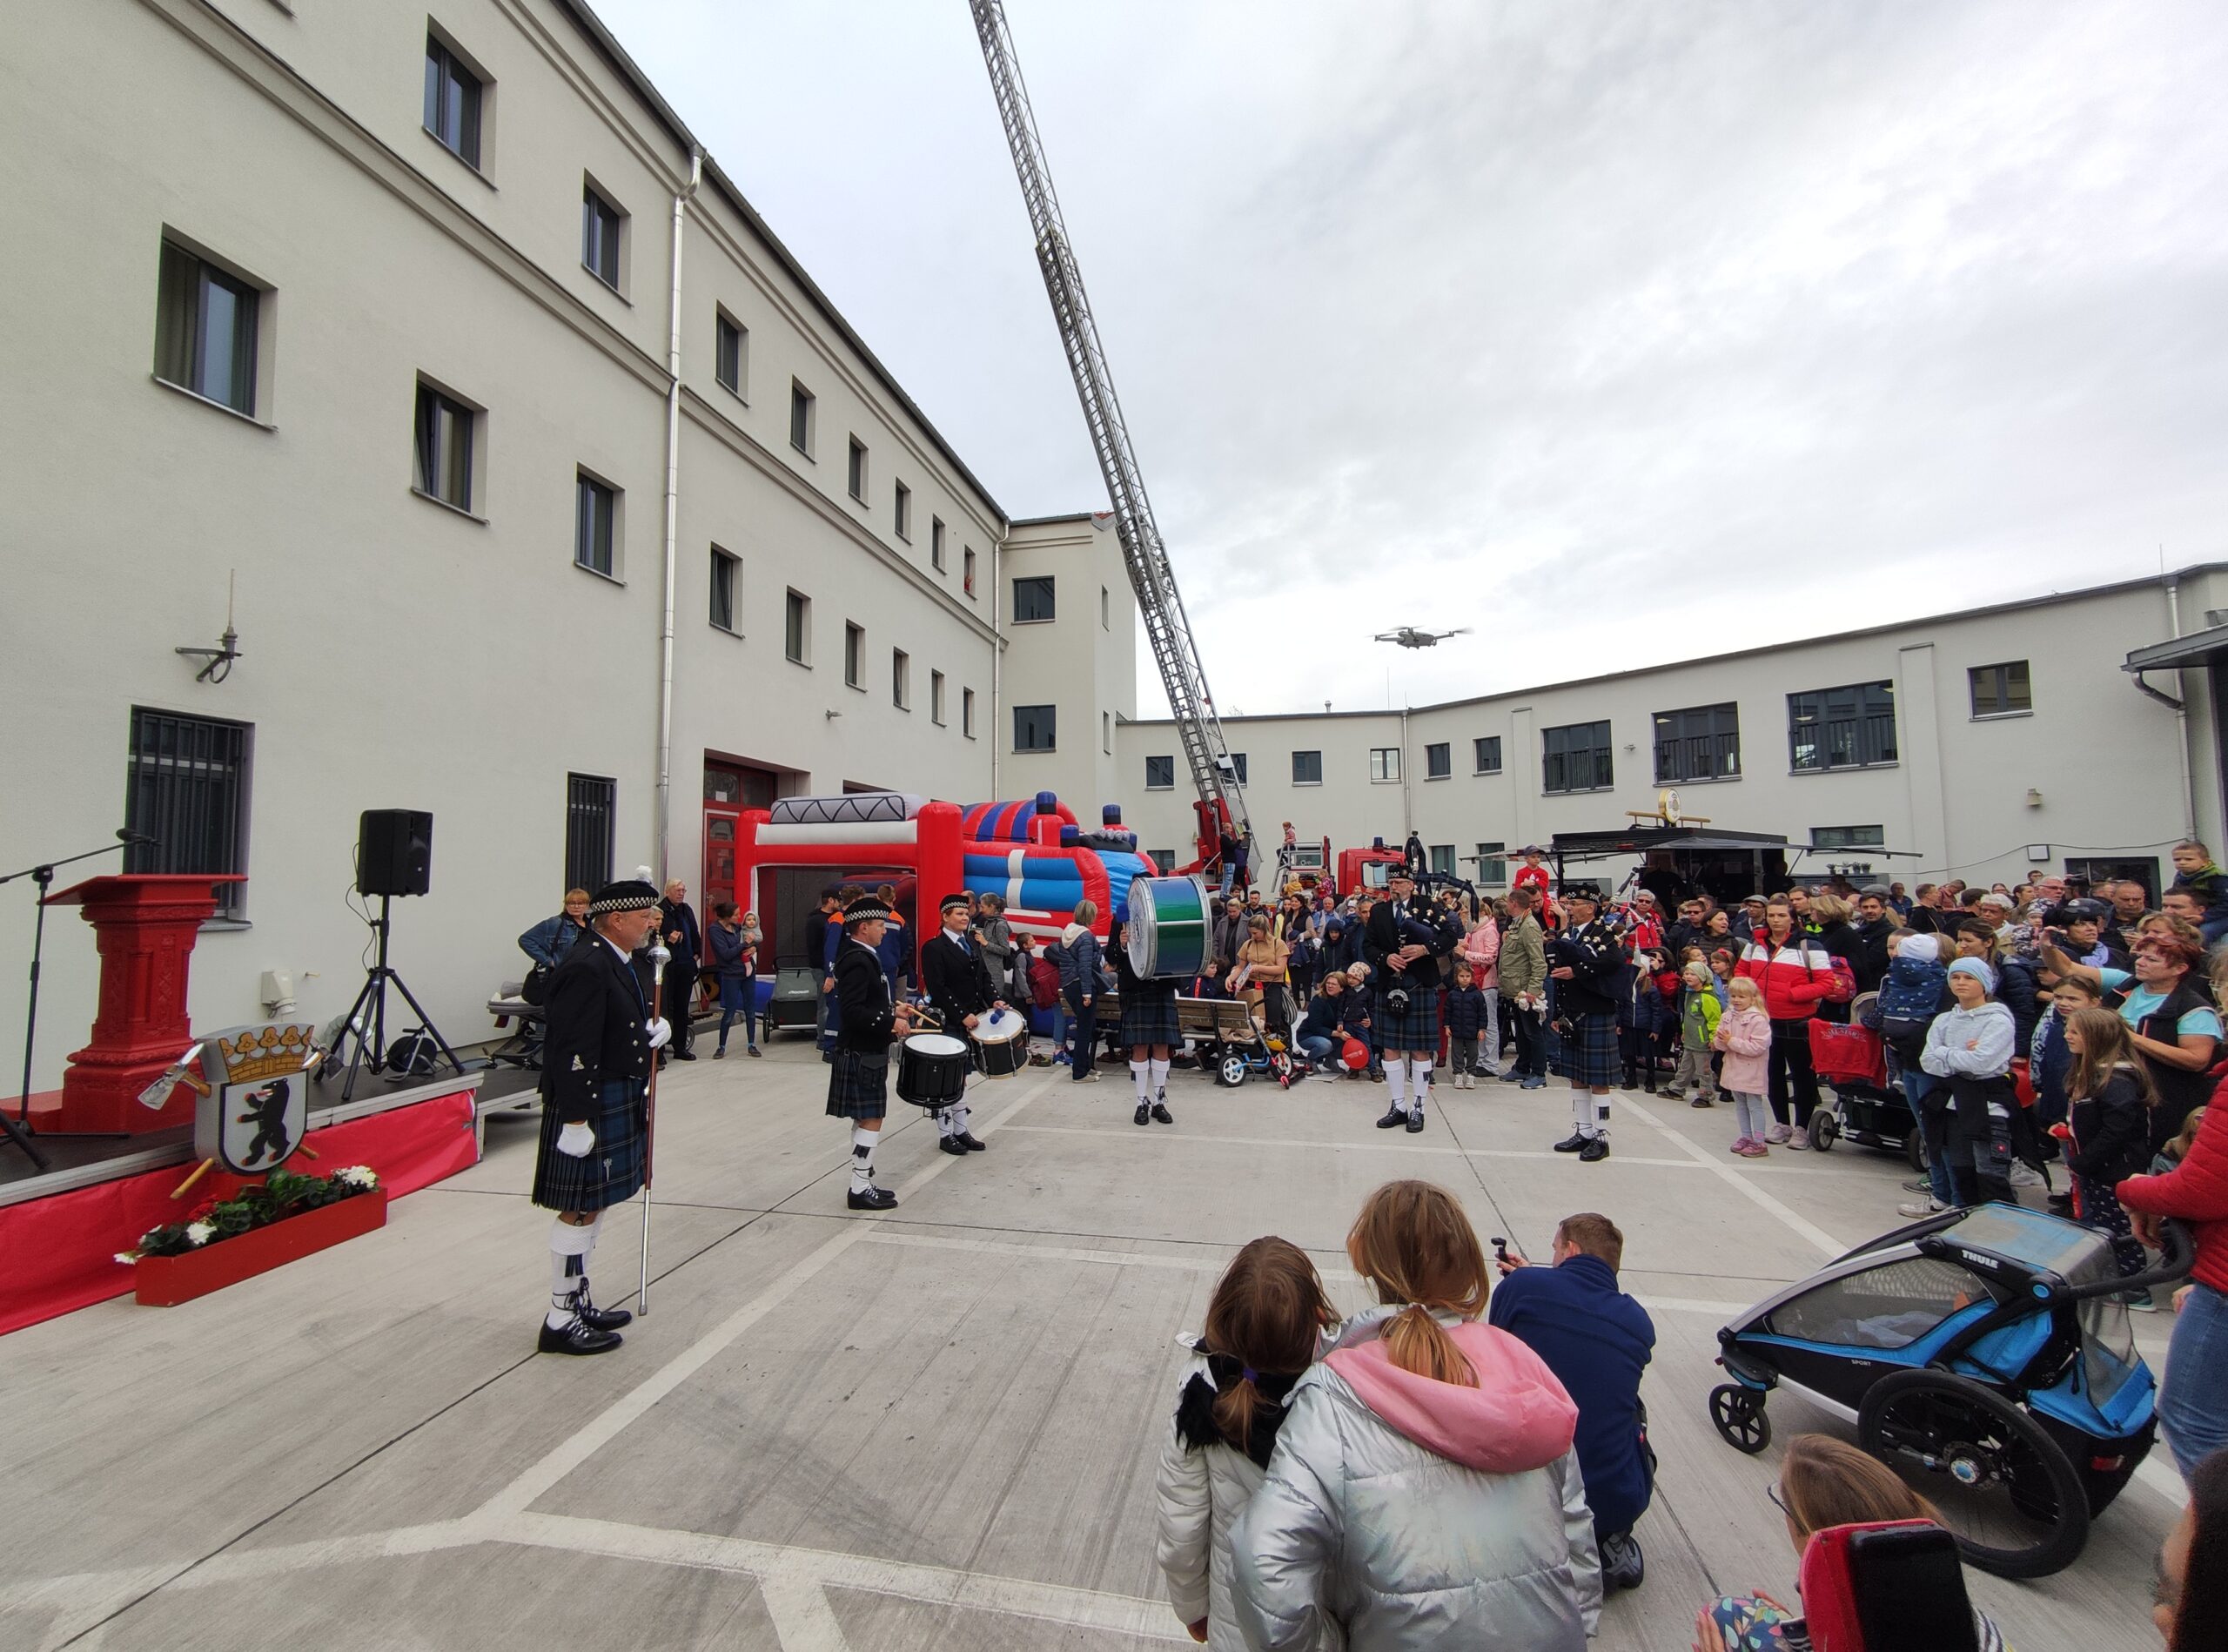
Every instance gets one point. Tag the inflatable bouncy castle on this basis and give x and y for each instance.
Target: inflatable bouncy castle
(1034, 853)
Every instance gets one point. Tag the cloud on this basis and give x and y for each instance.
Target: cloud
(1610, 331)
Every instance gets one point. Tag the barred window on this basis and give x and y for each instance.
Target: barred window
(1845, 728)
(1576, 758)
(186, 788)
(591, 808)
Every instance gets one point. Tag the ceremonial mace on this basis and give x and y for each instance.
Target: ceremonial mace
(660, 956)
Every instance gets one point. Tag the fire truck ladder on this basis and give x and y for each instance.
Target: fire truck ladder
(1204, 750)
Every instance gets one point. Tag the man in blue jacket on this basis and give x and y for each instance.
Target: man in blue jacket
(1597, 1341)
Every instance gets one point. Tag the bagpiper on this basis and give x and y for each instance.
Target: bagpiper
(596, 1067)
(1404, 952)
(1581, 961)
(858, 1076)
(956, 977)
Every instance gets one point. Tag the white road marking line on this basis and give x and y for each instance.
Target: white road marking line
(1340, 1146)
(630, 1407)
(804, 1621)
(1818, 1236)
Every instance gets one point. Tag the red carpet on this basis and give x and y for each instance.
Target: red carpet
(58, 1254)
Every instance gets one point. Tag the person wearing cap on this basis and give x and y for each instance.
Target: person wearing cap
(961, 987)
(1748, 922)
(1582, 961)
(1406, 968)
(1971, 1046)
(858, 1078)
(595, 1069)
(1532, 875)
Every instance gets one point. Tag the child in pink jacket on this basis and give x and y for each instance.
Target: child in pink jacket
(1481, 951)
(1744, 1034)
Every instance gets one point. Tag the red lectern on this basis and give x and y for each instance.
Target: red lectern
(145, 925)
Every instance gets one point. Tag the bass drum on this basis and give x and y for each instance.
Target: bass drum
(931, 1070)
(1166, 928)
(1000, 1043)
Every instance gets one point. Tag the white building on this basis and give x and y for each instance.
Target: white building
(1982, 743)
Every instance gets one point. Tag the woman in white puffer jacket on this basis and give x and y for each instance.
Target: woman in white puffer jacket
(1424, 1493)
(1265, 1323)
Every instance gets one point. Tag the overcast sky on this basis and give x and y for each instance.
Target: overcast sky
(1611, 331)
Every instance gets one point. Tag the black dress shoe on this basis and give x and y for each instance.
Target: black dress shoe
(1144, 1114)
(1594, 1151)
(874, 1199)
(952, 1144)
(1571, 1144)
(1160, 1111)
(686, 1055)
(577, 1337)
(1395, 1118)
(603, 1318)
(1415, 1124)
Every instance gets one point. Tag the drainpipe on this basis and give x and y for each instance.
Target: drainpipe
(1407, 813)
(2182, 713)
(997, 649)
(672, 524)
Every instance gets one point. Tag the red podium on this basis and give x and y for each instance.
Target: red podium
(145, 925)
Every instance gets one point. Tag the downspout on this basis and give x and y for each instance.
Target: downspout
(2181, 713)
(1407, 813)
(672, 525)
(997, 649)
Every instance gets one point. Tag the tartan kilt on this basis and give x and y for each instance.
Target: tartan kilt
(610, 1171)
(1415, 1033)
(1590, 1055)
(858, 1084)
(1150, 1018)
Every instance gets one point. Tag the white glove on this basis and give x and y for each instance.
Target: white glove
(660, 1031)
(575, 1140)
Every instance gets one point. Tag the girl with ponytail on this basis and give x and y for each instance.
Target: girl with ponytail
(1423, 1492)
(1265, 1324)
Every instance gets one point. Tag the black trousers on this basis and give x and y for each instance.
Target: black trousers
(1790, 1074)
(1083, 1027)
(1531, 1046)
(679, 1001)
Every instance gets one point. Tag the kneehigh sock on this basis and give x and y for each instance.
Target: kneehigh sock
(1421, 1091)
(862, 1141)
(1141, 1072)
(1396, 1082)
(1160, 1077)
(569, 1246)
(958, 1111)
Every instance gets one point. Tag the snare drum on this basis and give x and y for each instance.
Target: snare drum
(1166, 932)
(1000, 1043)
(931, 1070)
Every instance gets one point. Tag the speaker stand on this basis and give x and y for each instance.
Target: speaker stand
(371, 1000)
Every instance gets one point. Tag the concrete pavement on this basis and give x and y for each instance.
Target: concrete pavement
(934, 1428)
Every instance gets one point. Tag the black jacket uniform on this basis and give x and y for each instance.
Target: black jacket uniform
(1594, 955)
(863, 993)
(957, 981)
(597, 1029)
(1391, 926)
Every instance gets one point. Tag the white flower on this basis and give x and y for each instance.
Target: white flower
(199, 1233)
(127, 1256)
(357, 1176)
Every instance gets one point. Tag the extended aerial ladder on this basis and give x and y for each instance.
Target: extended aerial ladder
(1221, 806)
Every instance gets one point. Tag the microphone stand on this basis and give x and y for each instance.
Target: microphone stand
(18, 1128)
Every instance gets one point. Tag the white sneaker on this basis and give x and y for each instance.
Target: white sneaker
(1799, 1140)
(2023, 1174)
(1919, 1209)
(1777, 1133)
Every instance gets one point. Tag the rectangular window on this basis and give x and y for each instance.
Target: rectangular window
(1438, 760)
(796, 629)
(1999, 689)
(935, 543)
(1307, 768)
(1485, 754)
(205, 330)
(1032, 601)
(444, 448)
(451, 103)
(1384, 764)
(1848, 837)
(856, 476)
(601, 222)
(904, 513)
(1577, 758)
(1106, 610)
(1846, 727)
(1106, 732)
(1035, 728)
(855, 655)
(936, 698)
(724, 574)
(595, 527)
(967, 712)
(731, 352)
(1701, 742)
(1237, 768)
(1442, 858)
(591, 812)
(186, 788)
(901, 680)
(802, 418)
(1160, 773)
(967, 575)
(1163, 858)
(1492, 868)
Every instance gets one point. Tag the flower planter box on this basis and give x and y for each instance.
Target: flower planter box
(165, 1281)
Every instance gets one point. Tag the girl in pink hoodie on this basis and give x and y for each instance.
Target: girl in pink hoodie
(1744, 1033)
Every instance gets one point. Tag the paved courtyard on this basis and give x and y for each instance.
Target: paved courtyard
(936, 1428)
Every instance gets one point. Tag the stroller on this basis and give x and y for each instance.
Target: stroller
(1981, 1353)
(1869, 1106)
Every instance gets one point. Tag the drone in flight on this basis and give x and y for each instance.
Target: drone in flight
(1408, 637)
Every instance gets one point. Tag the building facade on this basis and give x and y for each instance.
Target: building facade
(1979, 744)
